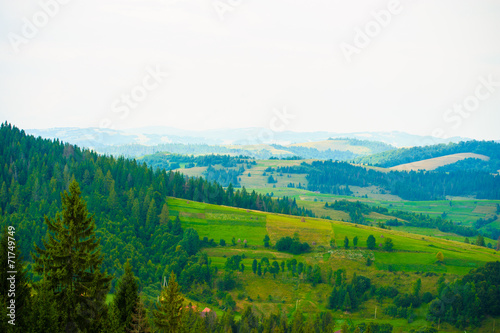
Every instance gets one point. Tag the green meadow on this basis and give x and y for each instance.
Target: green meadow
(414, 257)
(410, 249)
(464, 211)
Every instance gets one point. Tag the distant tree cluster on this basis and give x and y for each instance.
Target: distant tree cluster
(348, 296)
(292, 245)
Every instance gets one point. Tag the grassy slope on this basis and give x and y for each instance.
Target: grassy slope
(433, 163)
(413, 254)
(257, 180)
(465, 211)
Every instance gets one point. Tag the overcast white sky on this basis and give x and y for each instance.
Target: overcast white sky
(263, 55)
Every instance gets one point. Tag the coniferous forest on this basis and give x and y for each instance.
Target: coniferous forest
(326, 176)
(129, 214)
(83, 227)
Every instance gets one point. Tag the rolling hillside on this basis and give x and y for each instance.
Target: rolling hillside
(400, 156)
(412, 255)
(434, 163)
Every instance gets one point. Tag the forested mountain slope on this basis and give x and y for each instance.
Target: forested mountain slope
(128, 199)
(138, 219)
(407, 155)
(328, 176)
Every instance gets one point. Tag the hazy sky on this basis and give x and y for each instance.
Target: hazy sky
(424, 67)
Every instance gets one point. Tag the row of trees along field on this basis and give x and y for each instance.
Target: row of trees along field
(326, 176)
(357, 210)
(173, 161)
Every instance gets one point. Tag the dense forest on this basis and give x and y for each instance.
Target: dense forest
(407, 155)
(324, 176)
(128, 198)
(469, 164)
(167, 161)
(228, 169)
(69, 291)
(465, 302)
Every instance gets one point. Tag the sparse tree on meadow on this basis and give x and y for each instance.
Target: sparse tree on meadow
(480, 240)
(440, 256)
(346, 243)
(371, 242)
(266, 241)
(388, 244)
(332, 243)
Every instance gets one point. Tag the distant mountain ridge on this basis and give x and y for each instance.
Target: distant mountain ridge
(94, 137)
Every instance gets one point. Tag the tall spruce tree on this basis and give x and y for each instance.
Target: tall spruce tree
(126, 296)
(168, 313)
(71, 263)
(139, 322)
